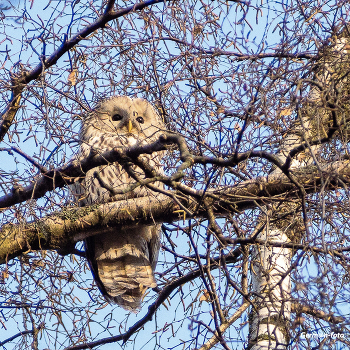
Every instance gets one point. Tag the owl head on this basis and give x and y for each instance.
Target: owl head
(124, 116)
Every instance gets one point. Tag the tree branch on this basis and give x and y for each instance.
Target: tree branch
(19, 82)
(10, 111)
(163, 295)
(251, 191)
(215, 339)
(2, 343)
(77, 168)
(62, 230)
(299, 308)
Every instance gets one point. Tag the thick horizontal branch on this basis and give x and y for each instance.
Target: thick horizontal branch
(250, 191)
(77, 168)
(62, 230)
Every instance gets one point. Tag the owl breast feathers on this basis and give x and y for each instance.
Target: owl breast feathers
(122, 260)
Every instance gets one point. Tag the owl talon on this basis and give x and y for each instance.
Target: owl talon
(181, 211)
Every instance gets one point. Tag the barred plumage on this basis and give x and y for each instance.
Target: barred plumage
(122, 260)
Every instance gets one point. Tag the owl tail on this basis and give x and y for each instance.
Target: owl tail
(123, 264)
(126, 279)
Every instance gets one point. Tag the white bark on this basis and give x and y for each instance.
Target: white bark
(271, 285)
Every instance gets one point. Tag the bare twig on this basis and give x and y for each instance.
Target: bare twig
(163, 295)
(19, 82)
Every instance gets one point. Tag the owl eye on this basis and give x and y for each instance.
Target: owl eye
(117, 117)
(140, 120)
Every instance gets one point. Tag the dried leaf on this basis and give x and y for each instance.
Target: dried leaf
(205, 296)
(72, 77)
(285, 112)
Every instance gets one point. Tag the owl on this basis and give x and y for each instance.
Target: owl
(122, 261)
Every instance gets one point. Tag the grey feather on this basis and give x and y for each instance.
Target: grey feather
(122, 261)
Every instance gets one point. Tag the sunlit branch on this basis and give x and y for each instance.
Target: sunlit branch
(215, 339)
(299, 308)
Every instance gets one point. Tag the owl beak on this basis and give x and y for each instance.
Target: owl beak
(129, 125)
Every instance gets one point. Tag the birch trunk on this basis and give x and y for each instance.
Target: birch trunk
(270, 317)
(269, 323)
